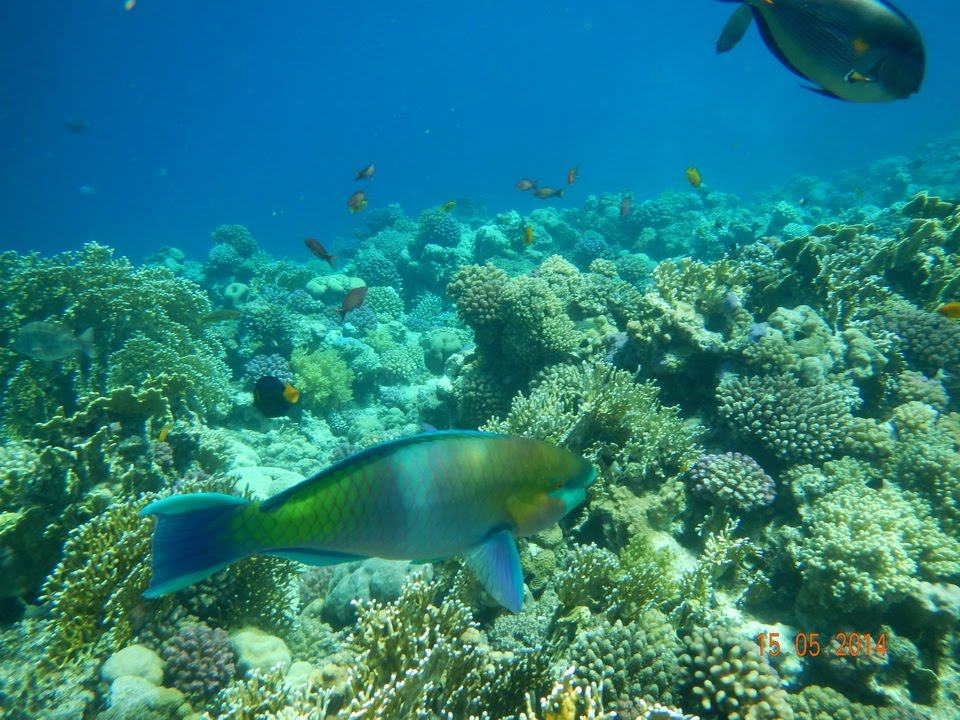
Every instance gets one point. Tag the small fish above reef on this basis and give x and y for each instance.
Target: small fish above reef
(48, 341)
(854, 50)
(353, 300)
(222, 315)
(572, 175)
(357, 201)
(625, 205)
(273, 397)
(164, 431)
(421, 498)
(528, 236)
(950, 310)
(365, 173)
(693, 177)
(448, 206)
(318, 250)
(544, 193)
(525, 184)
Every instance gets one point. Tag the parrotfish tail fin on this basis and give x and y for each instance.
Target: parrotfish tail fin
(187, 547)
(86, 343)
(496, 563)
(330, 259)
(560, 192)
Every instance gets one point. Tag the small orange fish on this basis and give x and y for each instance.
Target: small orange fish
(950, 310)
(353, 300)
(365, 173)
(357, 201)
(317, 249)
(544, 193)
(528, 236)
(572, 175)
(525, 184)
(162, 435)
(625, 205)
(448, 206)
(693, 177)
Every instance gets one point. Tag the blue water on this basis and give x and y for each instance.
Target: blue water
(204, 113)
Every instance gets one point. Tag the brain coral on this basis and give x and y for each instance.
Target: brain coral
(733, 479)
(792, 422)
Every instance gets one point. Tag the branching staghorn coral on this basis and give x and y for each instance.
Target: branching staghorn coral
(600, 411)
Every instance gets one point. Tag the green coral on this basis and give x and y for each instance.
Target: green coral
(323, 378)
(792, 422)
(598, 410)
(863, 547)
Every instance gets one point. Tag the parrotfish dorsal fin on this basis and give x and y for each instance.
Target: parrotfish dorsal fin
(362, 458)
(496, 563)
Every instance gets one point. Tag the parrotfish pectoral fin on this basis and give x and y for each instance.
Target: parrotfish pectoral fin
(308, 556)
(496, 564)
(185, 549)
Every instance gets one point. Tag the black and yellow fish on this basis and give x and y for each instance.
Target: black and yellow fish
(274, 397)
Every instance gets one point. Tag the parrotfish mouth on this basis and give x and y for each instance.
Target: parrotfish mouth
(574, 492)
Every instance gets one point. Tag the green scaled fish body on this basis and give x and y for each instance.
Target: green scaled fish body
(420, 498)
(855, 50)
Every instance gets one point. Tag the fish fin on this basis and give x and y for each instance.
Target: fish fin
(821, 91)
(771, 43)
(735, 29)
(330, 259)
(186, 546)
(333, 473)
(309, 556)
(87, 339)
(496, 564)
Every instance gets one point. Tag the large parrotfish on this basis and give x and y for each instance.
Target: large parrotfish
(422, 498)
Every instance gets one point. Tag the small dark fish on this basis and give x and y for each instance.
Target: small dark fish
(357, 201)
(854, 50)
(75, 125)
(273, 397)
(803, 202)
(222, 315)
(353, 300)
(365, 173)
(317, 249)
(48, 341)
(572, 175)
(525, 184)
(545, 193)
(625, 205)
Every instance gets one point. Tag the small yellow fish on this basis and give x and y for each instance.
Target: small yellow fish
(164, 431)
(950, 310)
(528, 236)
(693, 177)
(448, 206)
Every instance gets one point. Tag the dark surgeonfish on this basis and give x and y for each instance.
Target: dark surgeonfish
(855, 50)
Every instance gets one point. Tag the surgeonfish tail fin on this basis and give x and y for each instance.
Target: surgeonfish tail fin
(187, 546)
(86, 343)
